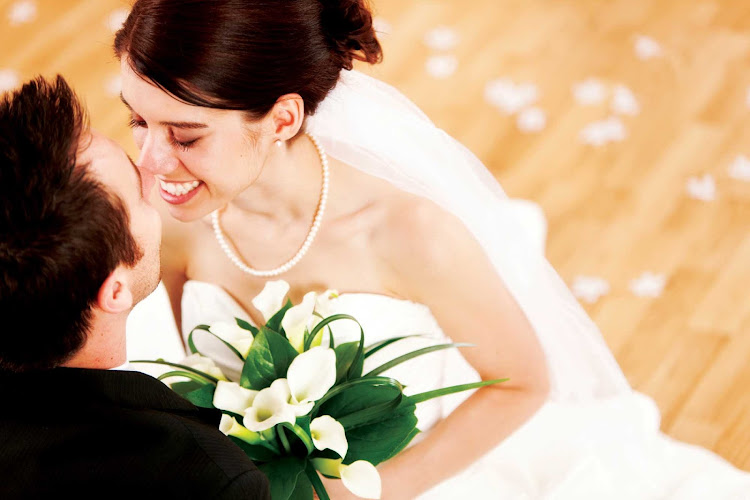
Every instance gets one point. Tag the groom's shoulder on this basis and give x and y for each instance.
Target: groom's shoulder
(126, 432)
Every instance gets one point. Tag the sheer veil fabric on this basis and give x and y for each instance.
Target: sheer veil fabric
(371, 126)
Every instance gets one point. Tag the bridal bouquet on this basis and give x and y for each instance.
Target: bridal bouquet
(302, 405)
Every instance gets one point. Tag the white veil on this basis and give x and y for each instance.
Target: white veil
(371, 126)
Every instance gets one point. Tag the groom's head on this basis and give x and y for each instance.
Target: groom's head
(79, 243)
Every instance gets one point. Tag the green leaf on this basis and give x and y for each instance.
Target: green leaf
(346, 386)
(203, 397)
(275, 322)
(326, 322)
(183, 388)
(246, 326)
(256, 452)
(283, 476)
(373, 348)
(314, 478)
(269, 359)
(385, 431)
(303, 490)
(300, 433)
(191, 344)
(177, 365)
(197, 379)
(406, 357)
(370, 414)
(426, 396)
(345, 354)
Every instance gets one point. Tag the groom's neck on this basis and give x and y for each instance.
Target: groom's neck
(104, 347)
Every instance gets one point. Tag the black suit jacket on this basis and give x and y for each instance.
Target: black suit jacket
(75, 433)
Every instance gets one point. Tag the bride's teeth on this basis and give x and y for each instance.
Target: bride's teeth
(178, 188)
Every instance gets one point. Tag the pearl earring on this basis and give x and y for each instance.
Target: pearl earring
(278, 143)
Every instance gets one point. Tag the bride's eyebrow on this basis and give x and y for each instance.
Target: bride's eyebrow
(183, 125)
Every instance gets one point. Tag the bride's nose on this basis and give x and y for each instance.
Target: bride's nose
(157, 157)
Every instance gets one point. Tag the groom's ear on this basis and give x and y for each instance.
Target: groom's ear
(114, 294)
(287, 116)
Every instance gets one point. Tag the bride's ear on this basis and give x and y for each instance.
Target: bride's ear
(114, 295)
(287, 116)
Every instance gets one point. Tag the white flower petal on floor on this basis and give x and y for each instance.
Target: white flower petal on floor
(603, 132)
(532, 120)
(441, 38)
(648, 284)
(624, 101)
(590, 288)
(116, 18)
(441, 67)
(22, 12)
(382, 26)
(9, 80)
(589, 92)
(113, 86)
(509, 97)
(740, 168)
(701, 188)
(647, 48)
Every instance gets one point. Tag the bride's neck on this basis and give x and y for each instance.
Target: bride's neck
(288, 186)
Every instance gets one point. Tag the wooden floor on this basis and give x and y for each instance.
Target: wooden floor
(615, 211)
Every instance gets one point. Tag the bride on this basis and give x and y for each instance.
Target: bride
(275, 161)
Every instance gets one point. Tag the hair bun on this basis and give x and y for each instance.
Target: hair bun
(348, 26)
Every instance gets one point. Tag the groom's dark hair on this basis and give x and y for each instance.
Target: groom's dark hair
(61, 231)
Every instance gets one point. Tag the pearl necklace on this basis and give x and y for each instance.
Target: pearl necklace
(308, 241)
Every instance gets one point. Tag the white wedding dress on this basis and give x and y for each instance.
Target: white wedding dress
(610, 448)
(594, 439)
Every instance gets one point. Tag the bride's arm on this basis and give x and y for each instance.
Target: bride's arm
(438, 263)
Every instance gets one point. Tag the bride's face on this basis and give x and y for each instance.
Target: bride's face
(201, 157)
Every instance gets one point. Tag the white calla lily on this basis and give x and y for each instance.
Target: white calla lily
(324, 302)
(230, 396)
(230, 427)
(311, 375)
(362, 479)
(205, 365)
(271, 299)
(297, 319)
(232, 334)
(270, 407)
(328, 433)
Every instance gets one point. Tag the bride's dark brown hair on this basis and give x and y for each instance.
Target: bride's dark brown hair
(245, 54)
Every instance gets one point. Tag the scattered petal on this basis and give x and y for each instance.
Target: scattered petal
(271, 299)
(9, 80)
(381, 26)
(701, 188)
(647, 48)
(532, 120)
(22, 12)
(328, 433)
(740, 168)
(441, 38)
(624, 102)
(362, 479)
(441, 67)
(603, 132)
(116, 19)
(510, 97)
(590, 288)
(648, 284)
(230, 396)
(589, 92)
(113, 86)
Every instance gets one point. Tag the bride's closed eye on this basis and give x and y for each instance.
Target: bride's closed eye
(134, 123)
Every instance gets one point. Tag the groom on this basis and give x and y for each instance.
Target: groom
(79, 247)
